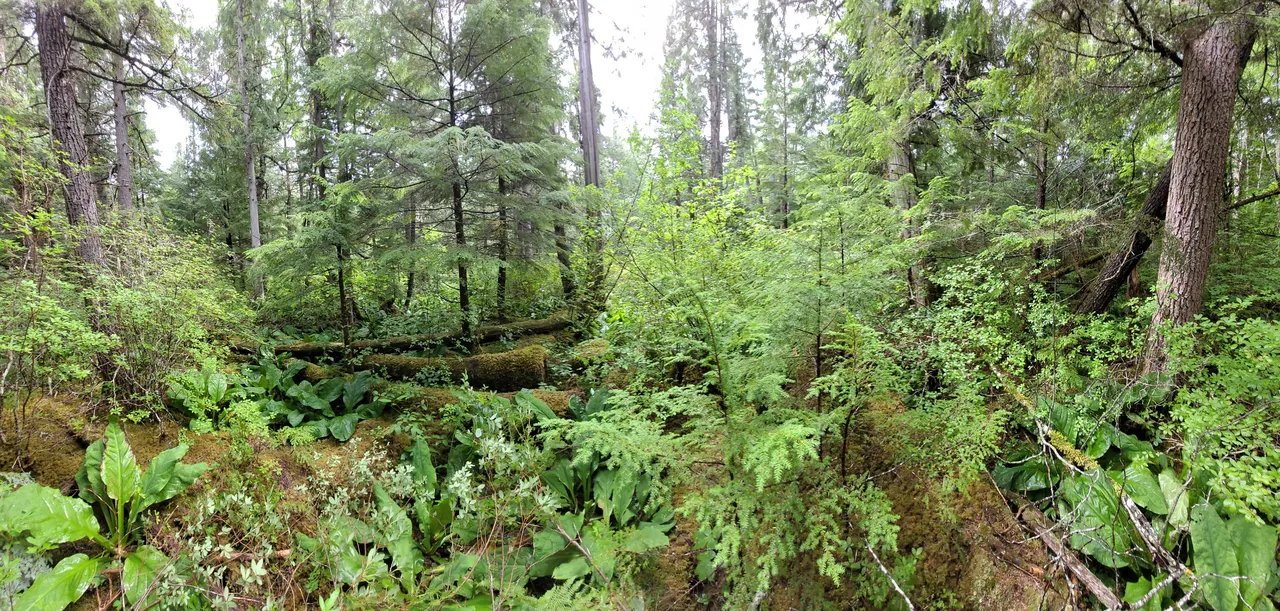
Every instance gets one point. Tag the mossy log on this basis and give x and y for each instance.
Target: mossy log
(486, 333)
(502, 371)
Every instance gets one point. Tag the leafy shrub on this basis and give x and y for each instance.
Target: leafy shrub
(266, 394)
(38, 518)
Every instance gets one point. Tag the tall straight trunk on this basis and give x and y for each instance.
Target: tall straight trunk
(902, 165)
(587, 99)
(1212, 64)
(591, 155)
(250, 156)
(410, 238)
(460, 239)
(1042, 181)
(318, 45)
(715, 92)
(124, 156)
(66, 127)
(503, 246)
(344, 306)
(1122, 263)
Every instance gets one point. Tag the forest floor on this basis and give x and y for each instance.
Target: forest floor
(973, 552)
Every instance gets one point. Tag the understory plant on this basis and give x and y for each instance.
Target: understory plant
(36, 519)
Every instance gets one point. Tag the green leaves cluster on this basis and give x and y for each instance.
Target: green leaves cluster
(40, 518)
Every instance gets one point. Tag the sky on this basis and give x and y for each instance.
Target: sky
(628, 84)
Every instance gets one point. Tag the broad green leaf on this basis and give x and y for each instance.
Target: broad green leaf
(217, 387)
(604, 481)
(1135, 590)
(1101, 528)
(317, 428)
(356, 388)
(424, 473)
(1215, 558)
(623, 491)
(602, 547)
(141, 568)
(119, 468)
(166, 477)
(329, 390)
(1255, 555)
(577, 567)
(644, 539)
(65, 584)
(343, 427)
(46, 516)
(89, 477)
(1177, 499)
(397, 537)
(296, 417)
(1143, 488)
(457, 568)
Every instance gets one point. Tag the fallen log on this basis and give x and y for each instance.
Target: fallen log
(501, 371)
(1041, 527)
(407, 343)
(1122, 262)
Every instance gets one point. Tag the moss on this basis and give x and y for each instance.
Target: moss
(502, 371)
(521, 368)
(54, 451)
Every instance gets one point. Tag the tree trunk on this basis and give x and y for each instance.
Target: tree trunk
(250, 156)
(902, 166)
(67, 129)
(1212, 63)
(344, 306)
(124, 157)
(1042, 181)
(504, 246)
(460, 239)
(410, 238)
(714, 87)
(1122, 262)
(587, 99)
(591, 156)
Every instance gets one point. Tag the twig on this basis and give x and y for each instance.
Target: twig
(884, 570)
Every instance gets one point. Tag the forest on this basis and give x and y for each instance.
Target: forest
(872, 304)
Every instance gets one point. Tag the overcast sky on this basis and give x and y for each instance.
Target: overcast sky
(628, 85)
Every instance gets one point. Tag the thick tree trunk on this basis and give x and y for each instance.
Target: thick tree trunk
(124, 156)
(1123, 261)
(66, 127)
(902, 165)
(250, 156)
(1212, 63)
(715, 93)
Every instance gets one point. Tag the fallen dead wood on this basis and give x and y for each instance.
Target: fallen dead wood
(1122, 262)
(1043, 530)
(502, 371)
(487, 333)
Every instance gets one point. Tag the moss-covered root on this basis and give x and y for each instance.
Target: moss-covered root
(503, 371)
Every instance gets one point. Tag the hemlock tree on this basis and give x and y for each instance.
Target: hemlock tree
(66, 127)
(1215, 52)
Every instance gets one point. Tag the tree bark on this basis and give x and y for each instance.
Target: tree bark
(460, 239)
(587, 99)
(1124, 260)
(902, 165)
(124, 156)
(66, 128)
(715, 93)
(504, 245)
(250, 157)
(1212, 64)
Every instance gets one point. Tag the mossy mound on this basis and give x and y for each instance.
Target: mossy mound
(502, 371)
(54, 449)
